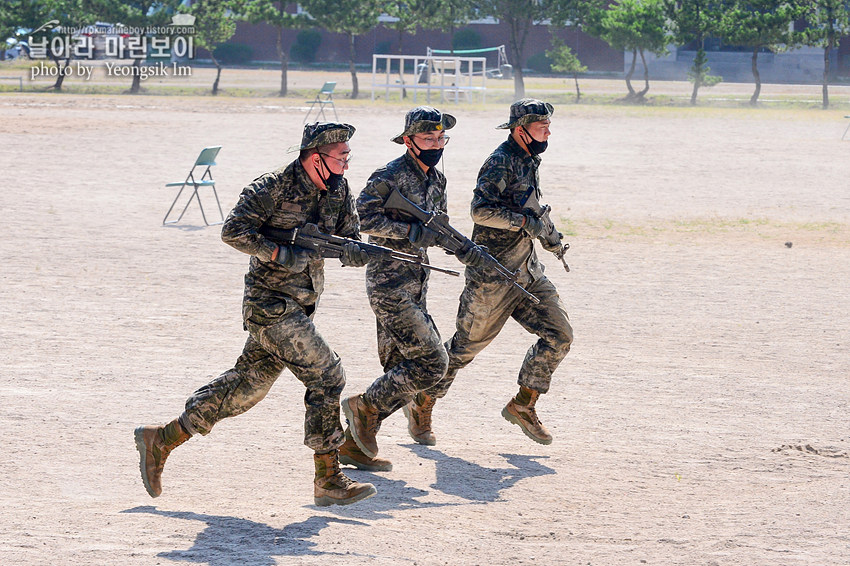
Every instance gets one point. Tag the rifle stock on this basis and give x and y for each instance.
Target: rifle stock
(450, 239)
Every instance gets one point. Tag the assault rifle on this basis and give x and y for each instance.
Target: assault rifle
(450, 239)
(550, 233)
(310, 237)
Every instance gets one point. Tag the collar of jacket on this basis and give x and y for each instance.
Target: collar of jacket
(518, 150)
(307, 184)
(414, 166)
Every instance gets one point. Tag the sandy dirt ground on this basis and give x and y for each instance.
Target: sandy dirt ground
(700, 419)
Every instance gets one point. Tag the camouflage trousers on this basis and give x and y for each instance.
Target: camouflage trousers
(484, 309)
(292, 342)
(409, 347)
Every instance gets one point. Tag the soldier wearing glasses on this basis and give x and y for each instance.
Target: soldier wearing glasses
(409, 345)
(282, 288)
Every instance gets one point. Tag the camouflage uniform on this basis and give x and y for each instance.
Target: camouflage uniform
(278, 308)
(409, 344)
(504, 181)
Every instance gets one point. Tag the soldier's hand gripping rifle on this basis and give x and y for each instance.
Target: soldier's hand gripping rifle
(550, 234)
(450, 239)
(310, 237)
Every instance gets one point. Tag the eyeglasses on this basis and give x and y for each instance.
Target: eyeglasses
(431, 141)
(342, 161)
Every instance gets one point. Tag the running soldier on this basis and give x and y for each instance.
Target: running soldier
(409, 345)
(502, 225)
(282, 287)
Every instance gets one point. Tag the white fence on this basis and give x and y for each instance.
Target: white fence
(454, 78)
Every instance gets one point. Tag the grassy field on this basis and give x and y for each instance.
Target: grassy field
(264, 82)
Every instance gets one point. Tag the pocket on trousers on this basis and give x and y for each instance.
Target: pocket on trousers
(475, 318)
(265, 314)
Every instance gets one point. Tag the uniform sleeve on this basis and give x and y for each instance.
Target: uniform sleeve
(241, 228)
(348, 224)
(488, 203)
(370, 207)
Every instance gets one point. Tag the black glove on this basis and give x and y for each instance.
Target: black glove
(421, 236)
(533, 226)
(353, 256)
(473, 257)
(550, 245)
(294, 258)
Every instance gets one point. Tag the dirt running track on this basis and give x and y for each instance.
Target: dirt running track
(701, 418)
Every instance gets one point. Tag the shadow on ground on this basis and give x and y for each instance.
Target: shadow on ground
(230, 540)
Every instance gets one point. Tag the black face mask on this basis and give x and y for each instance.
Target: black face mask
(334, 180)
(429, 157)
(535, 147)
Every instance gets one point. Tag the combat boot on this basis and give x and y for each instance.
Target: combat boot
(350, 453)
(418, 413)
(154, 444)
(332, 487)
(363, 421)
(525, 416)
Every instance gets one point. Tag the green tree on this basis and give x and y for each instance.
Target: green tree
(409, 14)
(452, 14)
(758, 25)
(565, 61)
(519, 15)
(275, 14)
(19, 14)
(349, 17)
(135, 15)
(215, 23)
(694, 21)
(828, 21)
(637, 26)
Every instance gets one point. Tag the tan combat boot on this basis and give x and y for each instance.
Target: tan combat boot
(363, 421)
(418, 413)
(526, 417)
(332, 487)
(154, 444)
(350, 453)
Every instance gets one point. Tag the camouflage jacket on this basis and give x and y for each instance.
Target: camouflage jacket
(284, 199)
(508, 175)
(389, 228)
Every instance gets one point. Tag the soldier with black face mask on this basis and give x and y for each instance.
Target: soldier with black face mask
(282, 289)
(409, 345)
(507, 179)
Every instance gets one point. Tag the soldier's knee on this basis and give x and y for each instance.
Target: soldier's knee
(334, 377)
(562, 338)
(434, 366)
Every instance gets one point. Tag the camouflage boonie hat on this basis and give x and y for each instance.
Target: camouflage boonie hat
(526, 111)
(425, 119)
(323, 133)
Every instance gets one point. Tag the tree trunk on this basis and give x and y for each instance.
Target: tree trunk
(217, 74)
(631, 94)
(699, 64)
(517, 41)
(642, 93)
(401, 65)
(755, 97)
(60, 77)
(355, 91)
(578, 92)
(137, 78)
(284, 61)
(826, 52)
